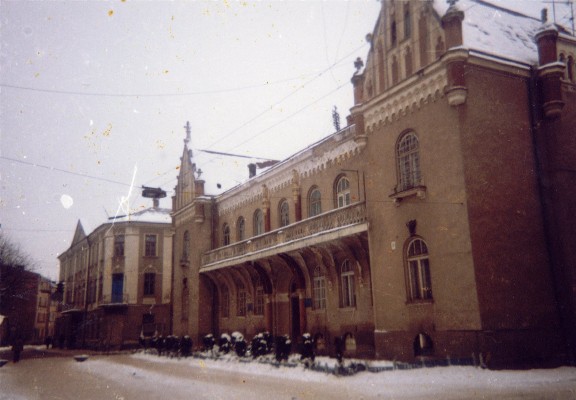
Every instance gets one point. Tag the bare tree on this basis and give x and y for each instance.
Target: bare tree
(18, 287)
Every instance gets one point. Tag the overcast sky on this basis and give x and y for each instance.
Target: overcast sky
(95, 94)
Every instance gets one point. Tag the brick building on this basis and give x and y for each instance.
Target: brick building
(438, 223)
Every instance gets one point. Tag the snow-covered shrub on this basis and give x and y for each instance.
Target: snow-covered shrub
(225, 343)
(208, 342)
(283, 347)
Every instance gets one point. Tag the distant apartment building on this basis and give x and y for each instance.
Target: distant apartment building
(117, 281)
(26, 309)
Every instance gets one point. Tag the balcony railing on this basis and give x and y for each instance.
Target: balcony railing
(112, 299)
(323, 223)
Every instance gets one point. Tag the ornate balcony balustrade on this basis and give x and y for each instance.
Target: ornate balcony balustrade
(333, 220)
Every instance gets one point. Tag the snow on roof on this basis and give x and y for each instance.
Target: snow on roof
(222, 172)
(496, 30)
(152, 215)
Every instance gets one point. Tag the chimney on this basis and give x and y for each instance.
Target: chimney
(251, 170)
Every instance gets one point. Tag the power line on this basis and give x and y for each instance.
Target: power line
(50, 168)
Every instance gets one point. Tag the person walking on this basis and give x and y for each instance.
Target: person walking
(17, 348)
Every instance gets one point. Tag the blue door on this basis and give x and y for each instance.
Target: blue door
(117, 287)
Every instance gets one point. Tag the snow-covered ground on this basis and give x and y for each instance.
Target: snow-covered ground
(147, 376)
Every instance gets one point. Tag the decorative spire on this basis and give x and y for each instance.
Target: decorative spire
(336, 119)
(187, 127)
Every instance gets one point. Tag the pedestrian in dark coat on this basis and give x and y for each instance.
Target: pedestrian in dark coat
(17, 348)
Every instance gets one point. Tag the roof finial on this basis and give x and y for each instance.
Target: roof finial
(451, 3)
(187, 127)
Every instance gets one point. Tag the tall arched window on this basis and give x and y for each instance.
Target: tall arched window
(419, 282)
(407, 21)
(240, 229)
(258, 222)
(347, 283)
(284, 213)
(408, 158)
(225, 302)
(186, 246)
(315, 202)
(319, 289)
(226, 235)
(343, 192)
(241, 300)
(571, 69)
(258, 297)
(408, 61)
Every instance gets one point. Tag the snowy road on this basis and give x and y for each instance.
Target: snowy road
(124, 377)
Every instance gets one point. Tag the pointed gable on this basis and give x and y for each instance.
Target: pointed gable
(79, 233)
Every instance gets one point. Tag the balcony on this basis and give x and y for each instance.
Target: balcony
(324, 227)
(115, 299)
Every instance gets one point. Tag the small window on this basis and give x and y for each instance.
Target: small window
(225, 235)
(258, 222)
(149, 283)
(419, 282)
(343, 192)
(408, 158)
(119, 245)
(315, 201)
(150, 250)
(393, 34)
(241, 229)
(319, 289)
(284, 211)
(347, 283)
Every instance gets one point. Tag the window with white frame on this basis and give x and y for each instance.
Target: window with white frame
(347, 284)
(284, 212)
(319, 289)
(258, 222)
(150, 249)
(343, 192)
(315, 202)
(418, 264)
(408, 158)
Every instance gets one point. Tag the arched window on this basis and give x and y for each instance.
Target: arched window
(419, 282)
(319, 289)
(408, 61)
(226, 235)
(393, 35)
(240, 229)
(439, 47)
(315, 202)
(571, 69)
(241, 300)
(225, 302)
(284, 213)
(186, 246)
(258, 297)
(347, 282)
(343, 192)
(407, 21)
(408, 157)
(395, 77)
(258, 222)
(562, 59)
